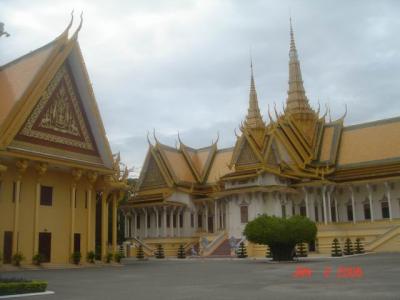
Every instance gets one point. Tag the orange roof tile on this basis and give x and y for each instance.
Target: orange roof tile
(220, 164)
(16, 76)
(370, 142)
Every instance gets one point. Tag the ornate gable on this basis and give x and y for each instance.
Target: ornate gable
(246, 155)
(152, 176)
(58, 119)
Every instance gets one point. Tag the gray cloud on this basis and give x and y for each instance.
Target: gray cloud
(183, 65)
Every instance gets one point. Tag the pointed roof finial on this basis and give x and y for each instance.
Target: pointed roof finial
(253, 118)
(296, 102)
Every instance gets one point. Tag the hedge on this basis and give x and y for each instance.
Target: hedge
(22, 287)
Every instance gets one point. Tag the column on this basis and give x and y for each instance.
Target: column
(353, 203)
(178, 222)
(126, 222)
(171, 221)
(223, 214)
(157, 225)
(41, 169)
(145, 223)
(324, 204)
(76, 176)
(92, 177)
(306, 201)
(195, 219)
(329, 193)
(114, 222)
(389, 198)
(206, 217)
(371, 208)
(21, 168)
(336, 210)
(164, 210)
(133, 223)
(215, 215)
(72, 222)
(104, 224)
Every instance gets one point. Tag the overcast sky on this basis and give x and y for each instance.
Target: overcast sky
(184, 65)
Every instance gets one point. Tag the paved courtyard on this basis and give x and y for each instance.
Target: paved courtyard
(224, 279)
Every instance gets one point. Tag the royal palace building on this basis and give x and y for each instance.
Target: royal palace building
(299, 162)
(58, 178)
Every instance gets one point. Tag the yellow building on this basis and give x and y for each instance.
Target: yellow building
(346, 178)
(58, 177)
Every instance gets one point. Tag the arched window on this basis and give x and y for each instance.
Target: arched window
(350, 216)
(385, 208)
(367, 211)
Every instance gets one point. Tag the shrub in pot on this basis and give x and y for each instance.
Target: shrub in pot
(17, 258)
(90, 256)
(76, 257)
(37, 259)
(109, 257)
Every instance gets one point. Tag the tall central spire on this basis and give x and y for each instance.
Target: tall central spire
(296, 101)
(253, 118)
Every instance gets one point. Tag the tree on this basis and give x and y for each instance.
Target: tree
(140, 252)
(181, 252)
(359, 246)
(280, 234)
(241, 252)
(160, 251)
(301, 250)
(348, 247)
(336, 250)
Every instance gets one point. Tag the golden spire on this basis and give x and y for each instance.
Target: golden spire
(253, 118)
(296, 102)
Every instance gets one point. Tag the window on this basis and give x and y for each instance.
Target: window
(244, 214)
(86, 199)
(192, 220)
(174, 220)
(293, 210)
(350, 212)
(159, 220)
(168, 221)
(283, 211)
(46, 195)
(367, 211)
(316, 213)
(385, 210)
(181, 220)
(200, 221)
(333, 214)
(303, 211)
(148, 221)
(138, 221)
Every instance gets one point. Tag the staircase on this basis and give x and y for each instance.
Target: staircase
(223, 250)
(391, 233)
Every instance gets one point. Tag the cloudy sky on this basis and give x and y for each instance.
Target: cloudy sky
(184, 65)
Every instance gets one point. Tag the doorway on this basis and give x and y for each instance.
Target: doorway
(45, 245)
(7, 247)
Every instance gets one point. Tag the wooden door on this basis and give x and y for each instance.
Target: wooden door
(77, 242)
(45, 245)
(7, 247)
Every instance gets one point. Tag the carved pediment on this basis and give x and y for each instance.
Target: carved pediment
(152, 176)
(246, 155)
(58, 120)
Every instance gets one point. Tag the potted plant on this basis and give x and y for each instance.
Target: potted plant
(90, 257)
(76, 257)
(118, 257)
(109, 257)
(17, 258)
(37, 259)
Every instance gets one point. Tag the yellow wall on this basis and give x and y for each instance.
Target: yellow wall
(55, 219)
